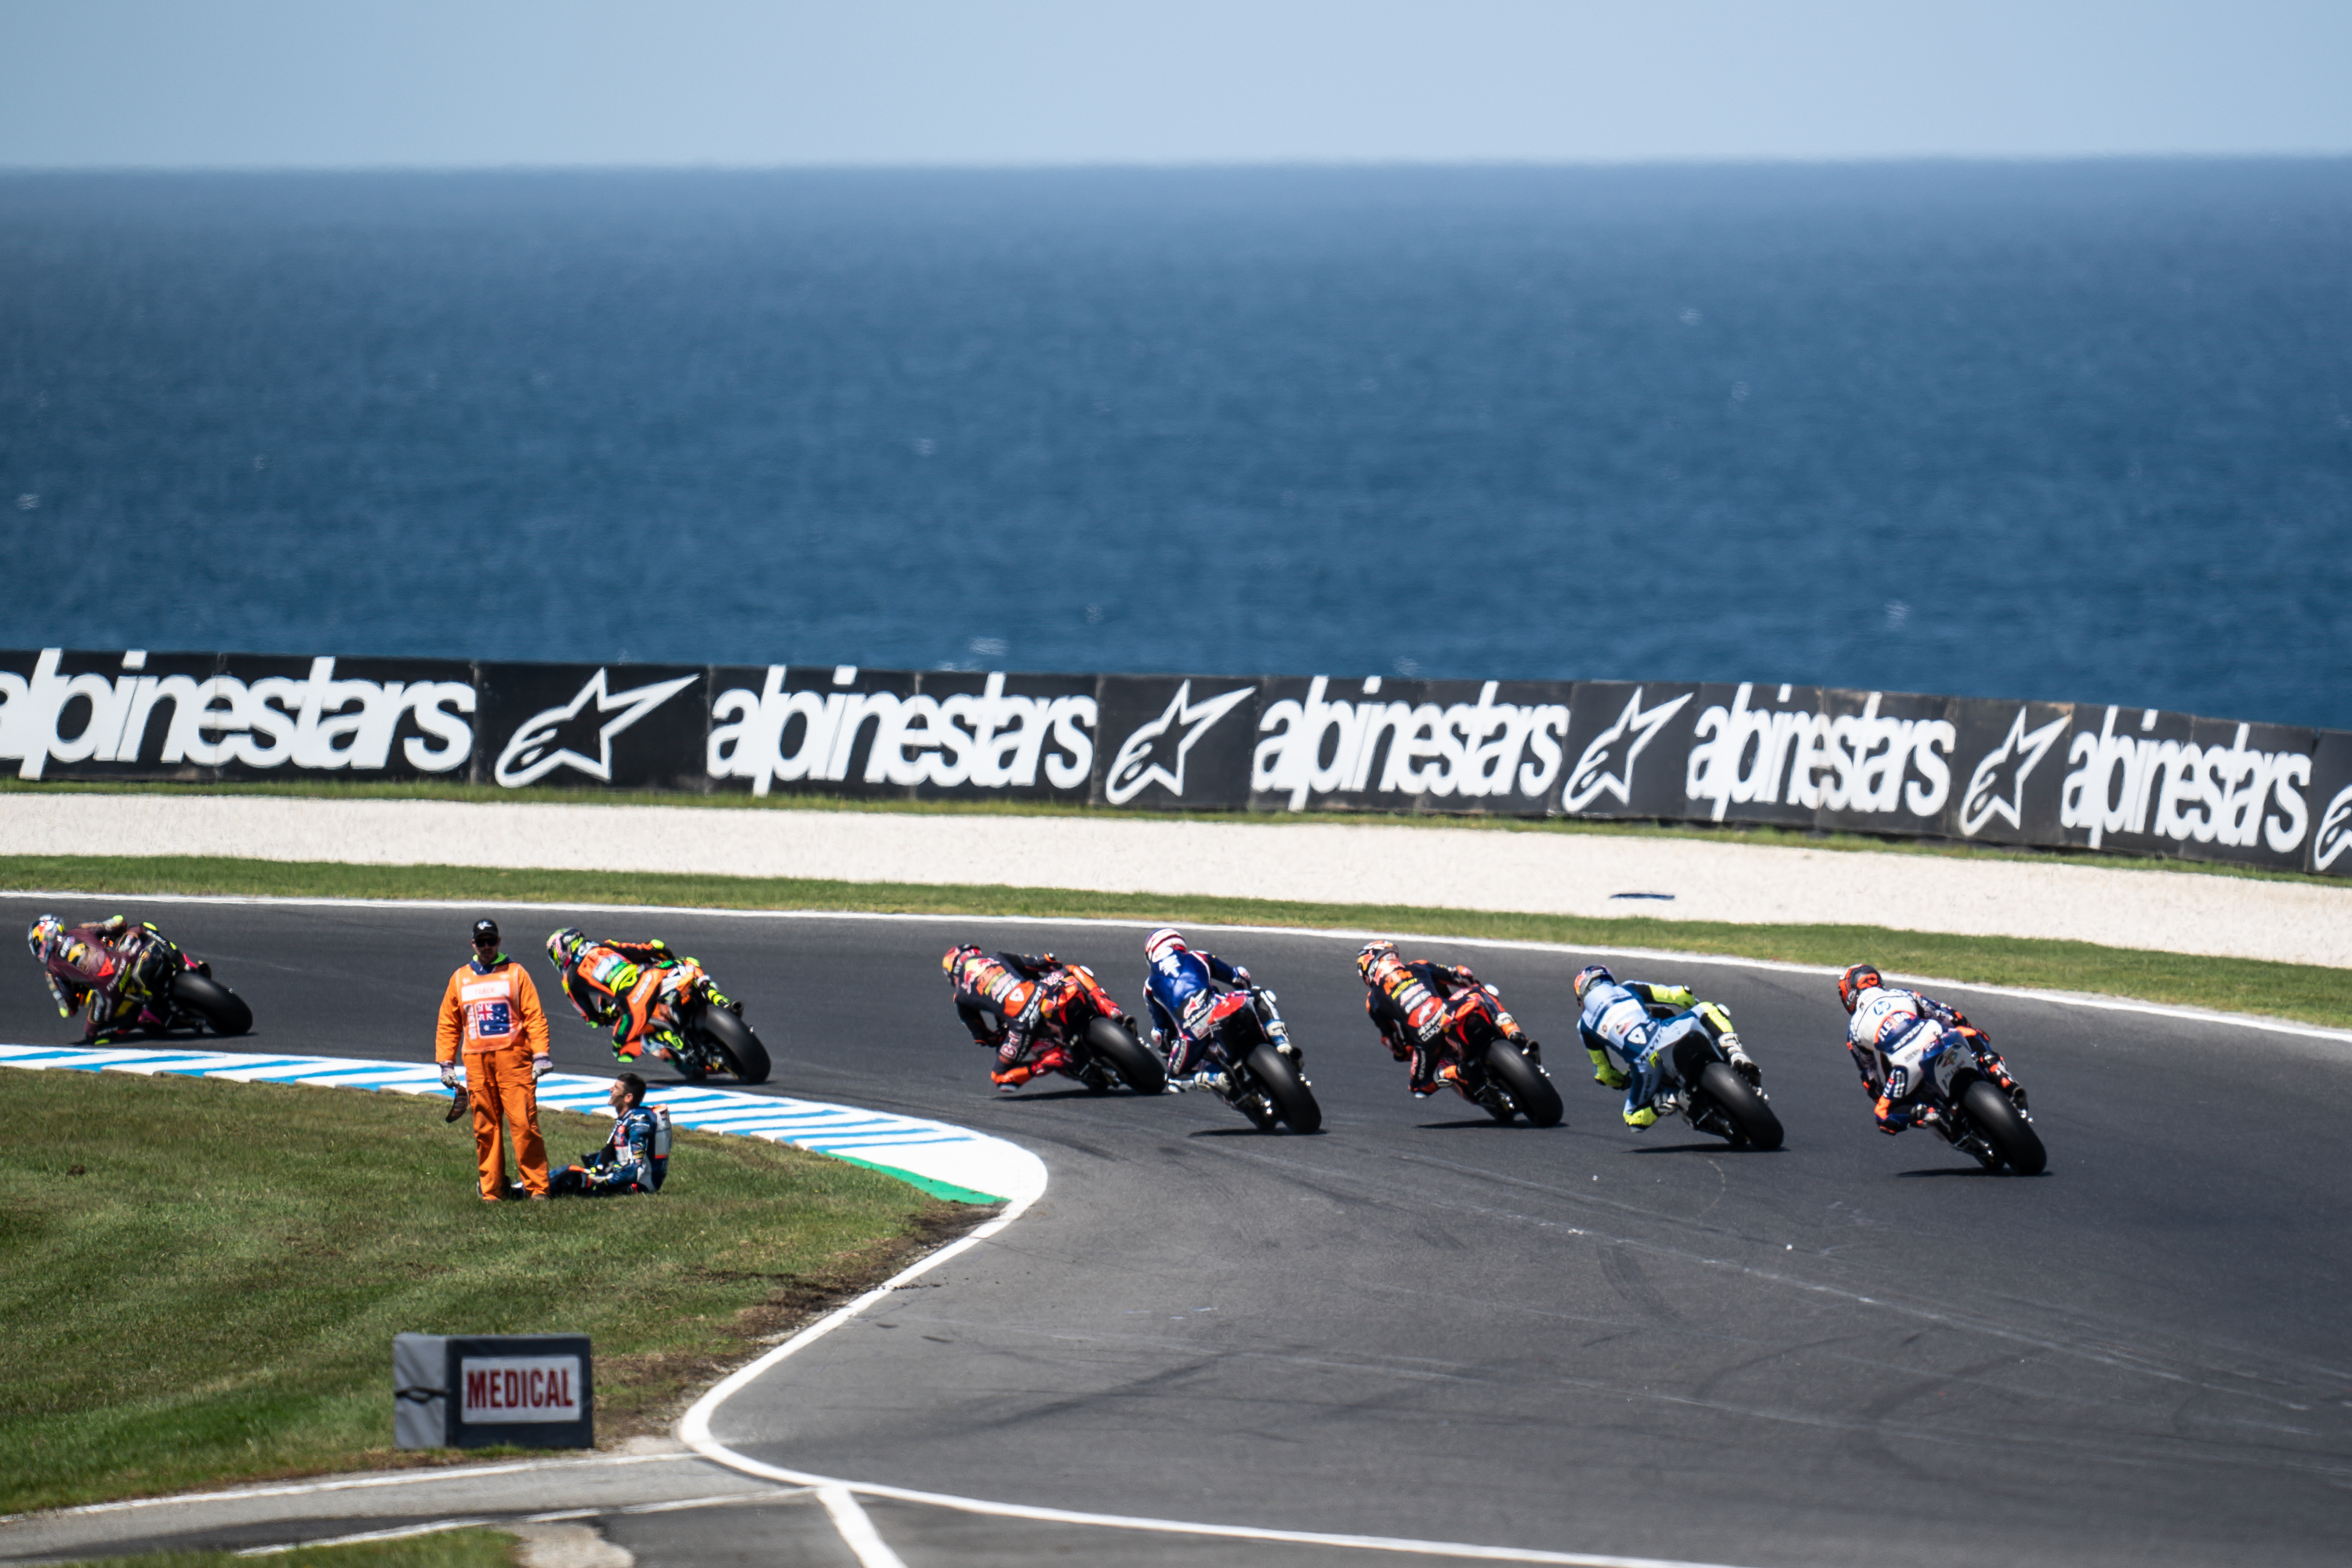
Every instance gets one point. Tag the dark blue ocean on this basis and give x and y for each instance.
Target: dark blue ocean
(2065, 430)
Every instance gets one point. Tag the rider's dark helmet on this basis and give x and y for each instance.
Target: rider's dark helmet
(564, 945)
(1587, 976)
(1371, 953)
(1857, 979)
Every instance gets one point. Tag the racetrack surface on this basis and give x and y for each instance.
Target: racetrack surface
(1419, 1324)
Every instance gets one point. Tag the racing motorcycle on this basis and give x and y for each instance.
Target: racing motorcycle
(1700, 1081)
(1262, 1072)
(1499, 1077)
(1973, 1113)
(713, 1034)
(175, 991)
(1099, 1044)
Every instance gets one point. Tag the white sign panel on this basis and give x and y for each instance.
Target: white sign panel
(534, 1388)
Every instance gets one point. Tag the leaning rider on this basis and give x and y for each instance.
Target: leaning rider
(1008, 1000)
(1883, 1020)
(631, 1160)
(1640, 1019)
(1180, 997)
(618, 986)
(108, 967)
(1416, 1005)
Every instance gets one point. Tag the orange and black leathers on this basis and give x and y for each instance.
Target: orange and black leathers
(615, 984)
(110, 968)
(1427, 1012)
(1007, 999)
(490, 1014)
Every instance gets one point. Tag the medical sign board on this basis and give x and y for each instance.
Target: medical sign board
(534, 1391)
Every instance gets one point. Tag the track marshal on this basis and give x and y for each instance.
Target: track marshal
(493, 1039)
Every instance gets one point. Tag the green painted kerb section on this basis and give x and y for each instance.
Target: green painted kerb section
(947, 1190)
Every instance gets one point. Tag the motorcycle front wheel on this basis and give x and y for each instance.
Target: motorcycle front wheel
(1293, 1100)
(218, 1005)
(1759, 1128)
(2010, 1135)
(745, 1057)
(1141, 1071)
(1538, 1100)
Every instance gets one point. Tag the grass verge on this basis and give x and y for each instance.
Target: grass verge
(202, 1279)
(2306, 992)
(449, 1548)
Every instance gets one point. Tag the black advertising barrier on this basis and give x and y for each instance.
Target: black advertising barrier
(1375, 745)
(206, 716)
(2131, 780)
(930, 734)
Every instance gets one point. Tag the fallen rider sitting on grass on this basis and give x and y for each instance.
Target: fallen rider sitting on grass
(633, 1159)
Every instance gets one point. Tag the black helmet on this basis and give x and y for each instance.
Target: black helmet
(1862, 977)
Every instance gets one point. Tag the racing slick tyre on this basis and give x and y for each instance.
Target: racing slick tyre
(1293, 1100)
(222, 1008)
(747, 1058)
(1128, 1057)
(1538, 1100)
(2004, 1129)
(1759, 1128)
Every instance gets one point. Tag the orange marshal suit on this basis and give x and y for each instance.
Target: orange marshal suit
(493, 1016)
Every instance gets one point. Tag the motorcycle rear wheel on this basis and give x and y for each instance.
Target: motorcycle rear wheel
(1538, 1100)
(1293, 1100)
(2019, 1146)
(1137, 1067)
(219, 1006)
(740, 1049)
(1759, 1128)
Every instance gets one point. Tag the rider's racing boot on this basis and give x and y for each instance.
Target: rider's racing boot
(1642, 1120)
(1209, 1078)
(1007, 1079)
(1741, 1062)
(1449, 1075)
(1606, 1073)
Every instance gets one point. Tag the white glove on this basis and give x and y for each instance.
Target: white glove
(539, 1065)
(452, 1075)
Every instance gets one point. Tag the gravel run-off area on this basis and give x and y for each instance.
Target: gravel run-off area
(1352, 863)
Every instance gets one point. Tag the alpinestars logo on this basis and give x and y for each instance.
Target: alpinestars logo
(1592, 778)
(2335, 830)
(566, 737)
(1140, 762)
(2003, 772)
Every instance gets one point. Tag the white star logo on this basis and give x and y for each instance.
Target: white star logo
(1135, 767)
(2019, 752)
(534, 753)
(1592, 777)
(2334, 831)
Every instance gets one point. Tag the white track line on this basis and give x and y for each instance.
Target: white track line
(857, 1532)
(1339, 933)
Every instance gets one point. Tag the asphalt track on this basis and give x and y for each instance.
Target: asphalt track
(1859, 1350)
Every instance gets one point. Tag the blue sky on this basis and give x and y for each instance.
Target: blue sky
(272, 83)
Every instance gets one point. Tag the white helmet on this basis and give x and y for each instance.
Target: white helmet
(1162, 942)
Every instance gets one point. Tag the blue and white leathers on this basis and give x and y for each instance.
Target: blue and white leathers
(1615, 1018)
(1176, 987)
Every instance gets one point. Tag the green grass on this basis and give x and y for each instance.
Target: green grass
(448, 1549)
(202, 1279)
(1716, 833)
(2302, 991)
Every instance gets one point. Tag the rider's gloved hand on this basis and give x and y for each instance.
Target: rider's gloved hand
(1604, 1071)
(452, 1075)
(1890, 1119)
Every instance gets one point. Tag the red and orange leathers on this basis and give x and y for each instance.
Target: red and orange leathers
(1038, 998)
(1429, 1013)
(491, 1014)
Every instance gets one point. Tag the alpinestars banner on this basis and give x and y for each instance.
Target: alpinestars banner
(2054, 775)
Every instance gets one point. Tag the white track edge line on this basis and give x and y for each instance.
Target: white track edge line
(1508, 944)
(351, 1483)
(857, 1530)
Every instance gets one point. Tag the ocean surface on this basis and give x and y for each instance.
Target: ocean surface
(2064, 430)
